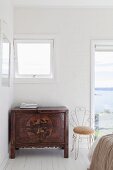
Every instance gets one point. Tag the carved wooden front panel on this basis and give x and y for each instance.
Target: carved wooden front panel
(42, 127)
(26, 127)
(38, 127)
(52, 128)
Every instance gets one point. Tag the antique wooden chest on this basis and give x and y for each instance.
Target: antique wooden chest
(40, 127)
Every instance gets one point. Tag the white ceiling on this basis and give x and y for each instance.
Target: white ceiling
(65, 3)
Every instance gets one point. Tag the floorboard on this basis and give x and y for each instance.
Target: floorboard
(47, 159)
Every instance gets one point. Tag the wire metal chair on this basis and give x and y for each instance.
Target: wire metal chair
(80, 121)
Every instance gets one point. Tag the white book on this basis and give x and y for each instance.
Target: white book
(28, 105)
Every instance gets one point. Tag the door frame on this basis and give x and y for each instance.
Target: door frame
(92, 73)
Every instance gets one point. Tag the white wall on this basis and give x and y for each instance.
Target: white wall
(6, 93)
(65, 3)
(74, 29)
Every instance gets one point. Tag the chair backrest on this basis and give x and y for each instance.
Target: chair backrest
(80, 117)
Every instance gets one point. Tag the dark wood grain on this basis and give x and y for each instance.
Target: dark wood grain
(41, 127)
(12, 138)
(65, 135)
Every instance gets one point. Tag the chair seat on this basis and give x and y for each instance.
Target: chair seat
(83, 130)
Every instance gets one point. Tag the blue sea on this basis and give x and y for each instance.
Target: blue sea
(104, 100)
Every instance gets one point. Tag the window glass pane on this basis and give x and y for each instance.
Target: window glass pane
(33, 58)
(5, 59)
(103, 96)
(104, 69)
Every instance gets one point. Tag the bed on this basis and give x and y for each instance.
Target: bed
(101, 154)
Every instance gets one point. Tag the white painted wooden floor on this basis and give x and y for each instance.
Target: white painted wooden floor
(47, 159)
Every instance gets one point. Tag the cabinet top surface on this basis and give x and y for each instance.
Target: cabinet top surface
(53, 108)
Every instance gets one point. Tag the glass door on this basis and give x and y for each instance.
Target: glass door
(103, 90)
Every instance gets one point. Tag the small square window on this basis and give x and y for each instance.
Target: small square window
(34, 59)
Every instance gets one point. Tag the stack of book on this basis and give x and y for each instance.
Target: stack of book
(28, 105)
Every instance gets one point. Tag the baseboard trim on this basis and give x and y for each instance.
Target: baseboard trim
(4, 162)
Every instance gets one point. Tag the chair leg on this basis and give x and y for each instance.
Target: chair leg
(74, 141)
(77, 146)
(90, 140)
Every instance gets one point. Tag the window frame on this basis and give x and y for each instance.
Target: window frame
(38, 77)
